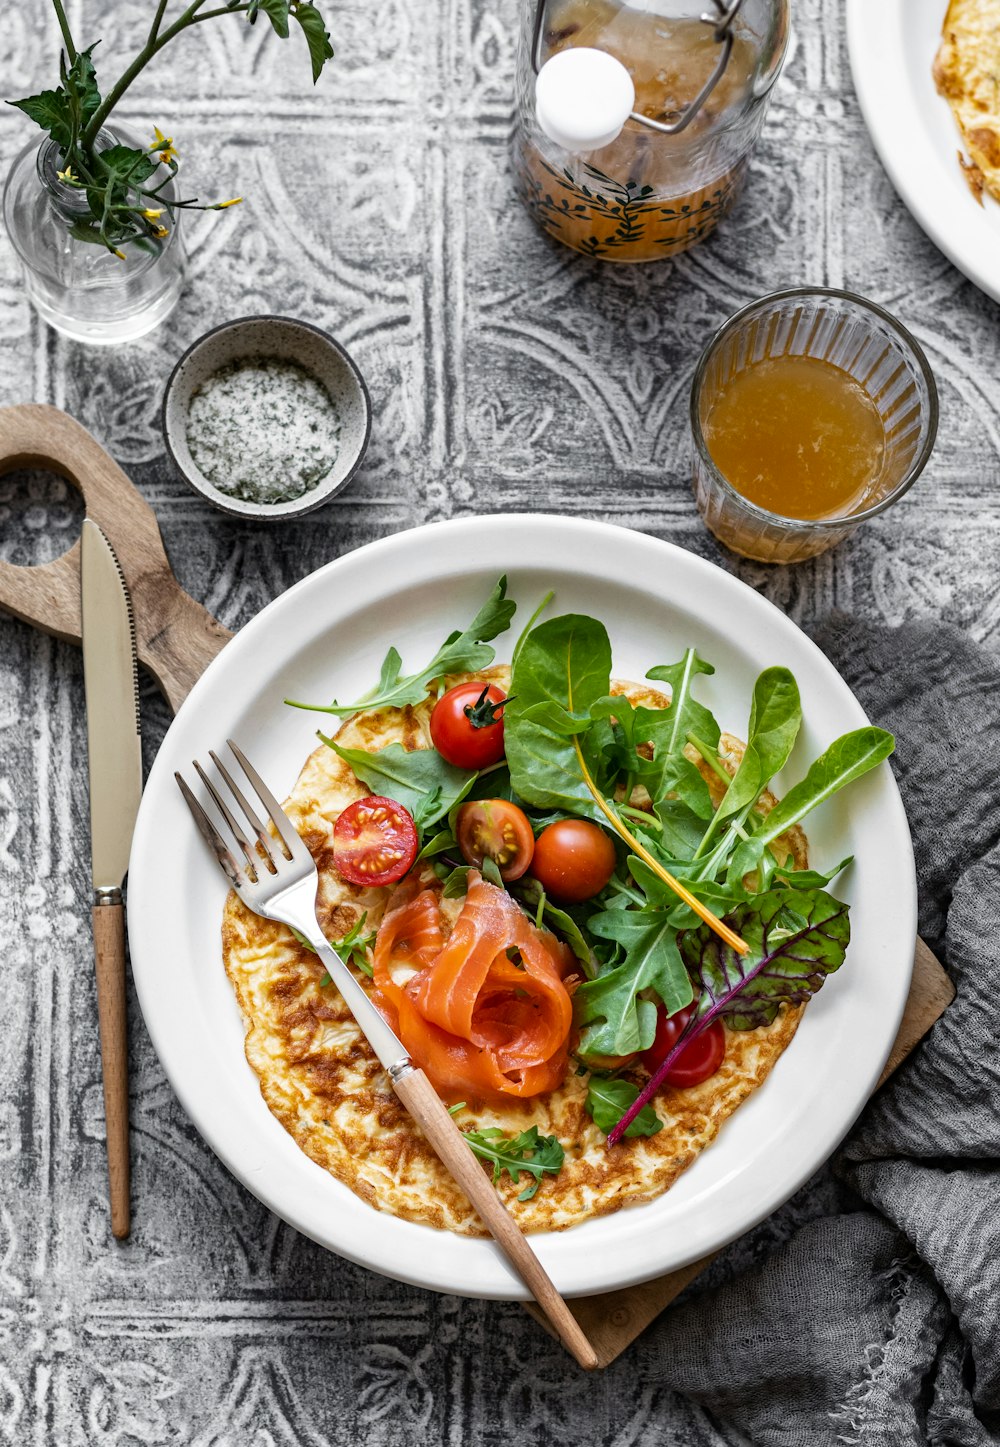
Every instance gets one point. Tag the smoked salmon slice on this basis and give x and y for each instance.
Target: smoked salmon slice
(485, 1013)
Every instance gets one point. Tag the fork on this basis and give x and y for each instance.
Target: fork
(276, 877)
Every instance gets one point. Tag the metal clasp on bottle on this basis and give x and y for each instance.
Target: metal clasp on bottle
(722, 23)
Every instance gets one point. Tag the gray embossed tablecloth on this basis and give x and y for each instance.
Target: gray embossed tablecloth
(505, 374)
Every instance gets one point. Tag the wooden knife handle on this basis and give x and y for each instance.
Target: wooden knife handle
(424, 1104)
(109, 959)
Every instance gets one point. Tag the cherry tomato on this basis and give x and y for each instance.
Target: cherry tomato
(374, 841)
(467, 725)
(498, 830)
(697, 1061)
(573, 860)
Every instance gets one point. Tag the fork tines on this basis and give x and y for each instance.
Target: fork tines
(271, 849)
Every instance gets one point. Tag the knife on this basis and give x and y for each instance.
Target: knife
(114, 752)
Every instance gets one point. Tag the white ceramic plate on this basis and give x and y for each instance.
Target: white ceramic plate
(892, 45)
(326, 637)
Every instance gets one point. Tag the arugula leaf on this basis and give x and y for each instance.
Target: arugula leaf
(615, 1019)
(796, 937)
(687, 715)
(848, 758)
(419, 779)
(352, 948)
(607, 1102)
(465, 651)
(525, 1154)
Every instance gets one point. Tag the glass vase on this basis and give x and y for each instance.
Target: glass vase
(82, 289)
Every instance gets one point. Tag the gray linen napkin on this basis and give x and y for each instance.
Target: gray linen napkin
(878, 1322)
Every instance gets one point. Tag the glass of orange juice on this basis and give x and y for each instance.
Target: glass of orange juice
(812, 410)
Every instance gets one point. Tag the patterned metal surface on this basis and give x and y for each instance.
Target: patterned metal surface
(506, 373)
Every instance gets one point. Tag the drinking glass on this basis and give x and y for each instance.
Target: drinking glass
(861, 339)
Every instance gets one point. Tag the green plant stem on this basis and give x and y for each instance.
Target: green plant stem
(189, 17)
(64, 27)
(154, 29)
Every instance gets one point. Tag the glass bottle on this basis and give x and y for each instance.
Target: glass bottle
(635, 122)
(80, 288)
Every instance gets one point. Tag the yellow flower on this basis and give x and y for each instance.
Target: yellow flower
(160, 231)
(120, 254)
(151, 212)
(221, 205)
(67, 176)
(163, 144)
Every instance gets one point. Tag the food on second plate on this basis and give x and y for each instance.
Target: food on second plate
(594, 1017)
(965, 72)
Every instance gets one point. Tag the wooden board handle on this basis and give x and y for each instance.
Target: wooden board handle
(109, 961)
(423, 1103)
(175, 636)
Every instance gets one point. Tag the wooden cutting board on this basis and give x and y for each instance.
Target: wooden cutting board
(177, 639)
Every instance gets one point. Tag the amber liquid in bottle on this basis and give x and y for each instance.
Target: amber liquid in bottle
(798, 436)
(637, 199)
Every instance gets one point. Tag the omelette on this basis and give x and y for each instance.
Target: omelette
(967, 74)
(321, 1080)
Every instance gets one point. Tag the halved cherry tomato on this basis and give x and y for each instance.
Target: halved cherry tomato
(374, 841)
(697, 1061)
(574, 860)
(467, 725)
(495, 829)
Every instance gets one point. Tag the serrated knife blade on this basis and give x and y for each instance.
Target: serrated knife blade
(114, 751)
(110, 673)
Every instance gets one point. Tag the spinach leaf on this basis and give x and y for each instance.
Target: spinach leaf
(419, 779)
(527, 1154)
(563, 668)
(796, 939)
(608, 1100)
(465, 651)
(614, 1018)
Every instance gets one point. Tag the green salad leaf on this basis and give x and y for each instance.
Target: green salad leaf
(526, 1154)
(465, 651)
(419, 779)
(615, 1016)
(607, 1102)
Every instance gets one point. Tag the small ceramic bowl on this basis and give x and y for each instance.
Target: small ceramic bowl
(289, 340)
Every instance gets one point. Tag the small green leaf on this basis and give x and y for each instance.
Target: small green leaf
(419, 779)
(525, 1154)
(50, 109)
(276, 11)
(608, 1100)
(316, 34)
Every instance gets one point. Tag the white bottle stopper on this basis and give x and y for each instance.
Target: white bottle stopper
(583, 97)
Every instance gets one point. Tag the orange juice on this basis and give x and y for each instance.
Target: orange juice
(797, 436)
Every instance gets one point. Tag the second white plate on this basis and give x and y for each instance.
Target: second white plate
(892, 45)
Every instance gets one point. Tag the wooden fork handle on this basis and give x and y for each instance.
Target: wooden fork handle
(109, 960)
(427, 1109)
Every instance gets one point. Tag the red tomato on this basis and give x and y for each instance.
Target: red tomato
(574, 860)
(498, 830)
(697, 1061)
(467, 725)
(374, 841)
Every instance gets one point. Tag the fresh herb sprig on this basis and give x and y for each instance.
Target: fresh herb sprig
(353, 948)
(526, 1154)
(126, 189)
(464, 651)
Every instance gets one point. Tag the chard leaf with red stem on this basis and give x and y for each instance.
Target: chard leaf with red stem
(796, 939)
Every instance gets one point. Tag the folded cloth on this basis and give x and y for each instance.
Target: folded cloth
(877, 1322)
